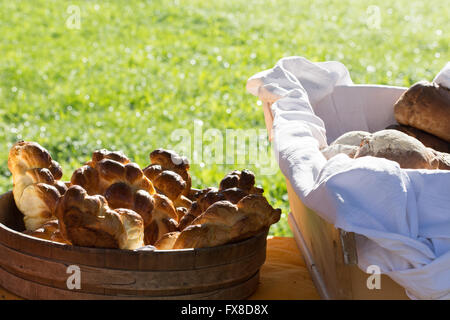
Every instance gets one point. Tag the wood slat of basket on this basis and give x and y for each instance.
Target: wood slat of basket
(32, 290)
(115, 281)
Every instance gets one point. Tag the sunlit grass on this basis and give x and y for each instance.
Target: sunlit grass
(137, 70)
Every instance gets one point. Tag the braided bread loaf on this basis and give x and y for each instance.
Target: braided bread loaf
(244, 180)
(233, 187)
(107, 168)
(224, 222)
(124, 185)
(88, 221)
(170, 174)
(35, 182)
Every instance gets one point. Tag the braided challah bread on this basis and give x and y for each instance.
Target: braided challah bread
(233, 187)
(224, 222)
(35, 182)
(164, 219)
(124, 185)
(206, 198)
(88, 221)
(244, 180)
(107, 168)
(170, 174)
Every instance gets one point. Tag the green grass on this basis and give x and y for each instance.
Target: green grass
(137, 70)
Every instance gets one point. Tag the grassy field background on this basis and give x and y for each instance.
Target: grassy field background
(137, 70)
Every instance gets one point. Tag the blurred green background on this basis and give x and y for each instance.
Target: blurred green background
(134, 71)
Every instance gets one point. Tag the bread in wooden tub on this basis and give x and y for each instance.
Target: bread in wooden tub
(224, 222)
(36, 185)
(111, 203)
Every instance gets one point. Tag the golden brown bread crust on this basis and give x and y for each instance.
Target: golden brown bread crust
(167, 241)
(111, 172)
(88, 221)
(99, 155)
(234, 195)
(253, 207)
(182, 202)
(193, 194)
(189, 216)
(168, 160)
(224, 222)
(152, 171)
(25, 155)
(233, 187)
(111, 203)
(181, 212)
(48, 231)
(122, 195)
(169, 173)
(244, 180)
(88, 178)
(107, 168)
(427, 139)
(35, 185)
(125, 185)
(425, 106)
(56, 170)
(164, 219)
(38, 203)
(204, 199)
(170, 183)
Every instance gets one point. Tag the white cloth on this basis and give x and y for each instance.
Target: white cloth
(401, 217)
(443, 77)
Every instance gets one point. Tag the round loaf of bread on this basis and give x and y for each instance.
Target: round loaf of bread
(427, 139)
(397, 146)
(348, 144)
(425, 106)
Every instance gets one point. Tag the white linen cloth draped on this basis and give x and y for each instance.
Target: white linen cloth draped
(401, 217)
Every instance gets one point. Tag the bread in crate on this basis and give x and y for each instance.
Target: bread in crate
(343, 109)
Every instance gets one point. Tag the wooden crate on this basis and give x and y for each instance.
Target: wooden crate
(331, 258)
(33, 268)
(330, 253)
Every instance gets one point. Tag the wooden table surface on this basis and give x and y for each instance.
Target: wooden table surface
(283, 276)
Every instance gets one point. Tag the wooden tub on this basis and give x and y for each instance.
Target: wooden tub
(38, 269)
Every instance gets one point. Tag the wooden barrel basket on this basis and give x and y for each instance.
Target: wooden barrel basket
(38, 269)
